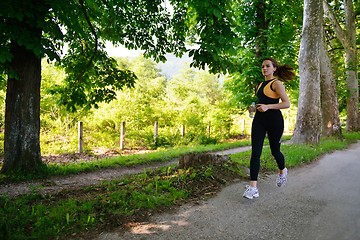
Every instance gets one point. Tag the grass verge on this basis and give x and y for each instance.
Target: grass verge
(160, 155)
(110, 204)
(297, 155)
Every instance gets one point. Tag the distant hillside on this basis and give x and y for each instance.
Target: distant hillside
(173, 65)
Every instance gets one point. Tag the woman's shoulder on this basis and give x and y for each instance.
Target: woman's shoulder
(270, 89)
(276, 83)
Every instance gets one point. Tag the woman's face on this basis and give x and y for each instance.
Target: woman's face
(268, 68)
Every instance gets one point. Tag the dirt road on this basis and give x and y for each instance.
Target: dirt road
(321, 201)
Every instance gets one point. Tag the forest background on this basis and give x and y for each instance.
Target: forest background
(181, 97)
(226, 40)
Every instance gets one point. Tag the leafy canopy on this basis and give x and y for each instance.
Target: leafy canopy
(265, 29)
(82, 26)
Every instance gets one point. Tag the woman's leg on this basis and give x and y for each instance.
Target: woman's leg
(257, 141)
(258, 132)
(275, 132)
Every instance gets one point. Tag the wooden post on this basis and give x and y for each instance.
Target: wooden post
(80, 136)
(156, 133)
(287, 122)
(182, 130)
(243, 126)
(122, 135)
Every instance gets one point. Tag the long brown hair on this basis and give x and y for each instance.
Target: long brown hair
(283, 72)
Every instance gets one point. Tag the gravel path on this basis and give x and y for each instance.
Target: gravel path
(320, 201)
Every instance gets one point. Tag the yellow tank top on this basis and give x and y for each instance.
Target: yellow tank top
(268, 91)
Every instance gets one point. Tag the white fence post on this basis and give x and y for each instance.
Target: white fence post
(243, 126)
(122, 135)
(183, 130)
(156, 132)
(80, 136)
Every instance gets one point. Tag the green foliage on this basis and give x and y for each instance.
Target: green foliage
(89, 83)
(152, 26)
(263, 32)
(20, 23)
(214, 21)
(192, 98)
(58, 133)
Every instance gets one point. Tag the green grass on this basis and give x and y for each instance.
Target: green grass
(109, 204)
(296, 155)
(161, 155)
(45, 217)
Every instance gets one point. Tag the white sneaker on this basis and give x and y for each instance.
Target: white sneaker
(251, 192)
(281, 178)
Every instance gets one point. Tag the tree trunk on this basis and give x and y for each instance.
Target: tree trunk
(347, 37)
(22, 113)
(331, 125)
(352, 101)
(308, 122)
(262, 27)
(351, 68)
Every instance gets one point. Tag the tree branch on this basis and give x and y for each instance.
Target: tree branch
(331, 16)
(93, 31)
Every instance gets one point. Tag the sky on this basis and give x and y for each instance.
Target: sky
(120, 51)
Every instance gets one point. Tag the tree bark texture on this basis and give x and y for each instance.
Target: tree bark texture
(347, 37)
(22, 113)
(331, 125)
(308, 121)
(352, 101)
(351, 68)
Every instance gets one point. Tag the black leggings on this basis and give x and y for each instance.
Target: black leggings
(272, 123)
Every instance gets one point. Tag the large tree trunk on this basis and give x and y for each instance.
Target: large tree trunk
(347, 37)
(308, 121)
(351, 62)
(331, 125)
(22, 113)
(352, 101)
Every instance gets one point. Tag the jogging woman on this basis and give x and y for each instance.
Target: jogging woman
(268, 119)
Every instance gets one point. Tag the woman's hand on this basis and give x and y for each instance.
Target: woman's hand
(262, 107)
